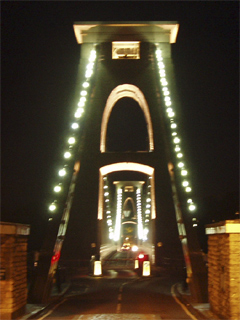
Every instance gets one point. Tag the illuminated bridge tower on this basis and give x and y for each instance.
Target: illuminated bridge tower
(126, 67)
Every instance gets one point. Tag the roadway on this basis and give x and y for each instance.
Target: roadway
(120, 294)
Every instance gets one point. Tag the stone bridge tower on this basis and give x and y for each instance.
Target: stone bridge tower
(126, 66)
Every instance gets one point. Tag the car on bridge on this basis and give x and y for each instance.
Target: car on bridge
(129, 246)
(126, 247)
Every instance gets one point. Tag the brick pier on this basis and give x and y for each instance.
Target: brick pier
(224, 268)
(13, 282)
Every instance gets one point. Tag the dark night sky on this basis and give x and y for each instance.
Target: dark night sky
(40, 58)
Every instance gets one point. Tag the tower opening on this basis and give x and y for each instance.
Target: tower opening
(125, 91)
(127, 128)
(124, 171)
(126, 209)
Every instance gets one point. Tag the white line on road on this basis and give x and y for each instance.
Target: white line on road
(78, 317)
(118, 308)
(181, 304)
(119, 305)
(49, 312)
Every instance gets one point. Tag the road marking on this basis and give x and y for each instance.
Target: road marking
(181, 304)
(122, 316)
(118, 308)
(119, 304)
(49, 312)
(75, 293)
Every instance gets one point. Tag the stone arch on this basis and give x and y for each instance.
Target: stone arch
(125, 91)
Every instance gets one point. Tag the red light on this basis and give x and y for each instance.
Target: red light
(55, 258)
(141, 256)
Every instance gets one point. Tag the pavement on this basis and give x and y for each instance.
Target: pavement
(33, 310)
(202, 310)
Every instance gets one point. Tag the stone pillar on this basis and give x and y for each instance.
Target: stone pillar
(13, 282)
(224, 268)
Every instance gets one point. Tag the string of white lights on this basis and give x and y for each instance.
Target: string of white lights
(139, 213)
(118, 215)
(174, 131)
(147, 212)
(71, 141)
(108, 208)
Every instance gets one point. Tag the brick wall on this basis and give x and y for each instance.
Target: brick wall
(224, 269)
(13, 283)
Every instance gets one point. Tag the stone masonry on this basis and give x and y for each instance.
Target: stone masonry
(13, 282)
(224, 268)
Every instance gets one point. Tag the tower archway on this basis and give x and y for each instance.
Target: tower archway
(126, 166)
(123, 91)
(127, 128)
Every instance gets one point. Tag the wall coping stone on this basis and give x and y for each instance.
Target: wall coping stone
(227, 226)
(14, 228)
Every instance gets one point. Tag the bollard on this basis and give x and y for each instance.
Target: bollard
(136, 264)
(97, 271)
(146, 268)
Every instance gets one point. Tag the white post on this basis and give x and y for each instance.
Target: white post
(146, 268)
(97, 268)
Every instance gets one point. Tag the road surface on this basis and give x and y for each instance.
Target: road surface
(122, 295)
